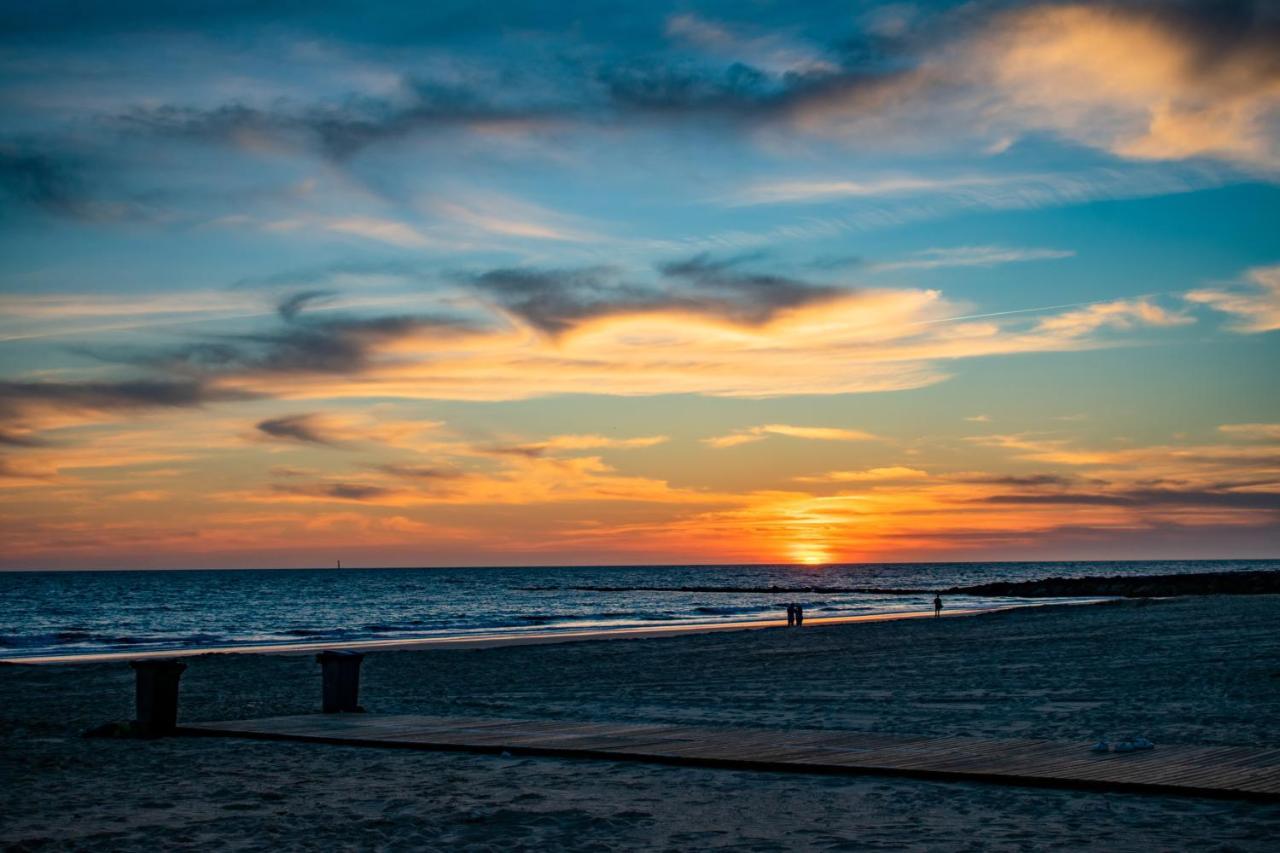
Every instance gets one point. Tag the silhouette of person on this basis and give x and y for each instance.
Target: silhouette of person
(791, 615)
(799, 615)
(937, 606)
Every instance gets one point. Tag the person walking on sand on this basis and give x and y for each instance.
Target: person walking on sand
(937, 606)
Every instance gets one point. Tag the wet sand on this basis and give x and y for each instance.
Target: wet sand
(485, 640)
(1197, 670)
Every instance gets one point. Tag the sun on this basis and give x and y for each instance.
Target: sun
(810, 555)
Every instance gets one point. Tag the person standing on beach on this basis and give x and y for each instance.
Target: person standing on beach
(937, 606)
(799, 615)
(791, 615)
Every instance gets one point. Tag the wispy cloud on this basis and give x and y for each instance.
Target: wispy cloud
(758, 433)
(30, 307)
(522, 480)
(826, 189)
(558, 300)
(27, 408)
(303, 428)
(562, 443)
(506, 216)
(302, 343)
(971, 256)
(892, 474)
(593, 442)
(382, 230)
(1255, 432)
(32, 317)
(771, 51)
(1255, 304)
(1026, 192)
(1211, 460)
(1119, 314)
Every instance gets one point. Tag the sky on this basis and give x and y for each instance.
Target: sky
(530, 283)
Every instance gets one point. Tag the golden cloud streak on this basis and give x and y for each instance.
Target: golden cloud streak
(881, 340)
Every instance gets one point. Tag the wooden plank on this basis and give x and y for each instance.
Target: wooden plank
(1231, 771)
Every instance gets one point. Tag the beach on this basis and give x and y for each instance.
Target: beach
(1201, 670)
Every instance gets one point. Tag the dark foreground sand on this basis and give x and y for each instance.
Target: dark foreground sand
(1203, 670)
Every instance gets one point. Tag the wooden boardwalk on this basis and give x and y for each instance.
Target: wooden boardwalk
(1217, 771)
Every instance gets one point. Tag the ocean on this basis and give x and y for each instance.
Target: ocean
(77, 613)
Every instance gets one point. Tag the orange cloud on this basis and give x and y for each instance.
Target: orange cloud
(1141, 83)
(580, 505)
(1132, 83)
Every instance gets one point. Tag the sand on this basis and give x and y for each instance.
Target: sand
(1201, 670)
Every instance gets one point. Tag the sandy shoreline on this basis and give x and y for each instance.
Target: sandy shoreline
(483, 640)
(1204, 670)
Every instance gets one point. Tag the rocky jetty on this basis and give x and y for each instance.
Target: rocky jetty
(1141, 586)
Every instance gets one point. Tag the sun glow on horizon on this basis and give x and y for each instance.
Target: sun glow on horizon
(811, 555)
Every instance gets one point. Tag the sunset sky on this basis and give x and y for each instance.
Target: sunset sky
(522, 283)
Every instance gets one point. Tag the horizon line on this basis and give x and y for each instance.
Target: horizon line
(806, 566)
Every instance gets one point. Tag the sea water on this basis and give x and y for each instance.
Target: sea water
(72, 613)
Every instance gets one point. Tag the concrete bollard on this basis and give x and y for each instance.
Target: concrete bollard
(341, 673)
(157, 695)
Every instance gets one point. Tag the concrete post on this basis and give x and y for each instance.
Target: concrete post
(341, 674)
(157, 695)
